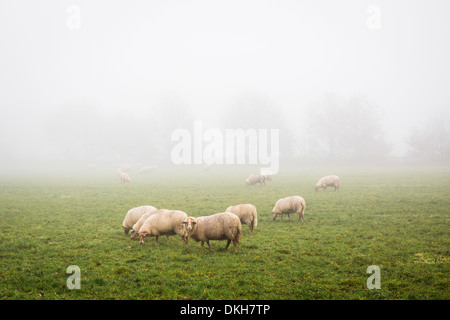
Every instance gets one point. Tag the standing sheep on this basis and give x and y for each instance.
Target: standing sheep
(288, 205)
(219, 226)
(246, 213)
(254, 179)
(124, 177)
(133, 216)
(164, 222)
(328, 181)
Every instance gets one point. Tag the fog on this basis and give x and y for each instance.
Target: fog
(108, 82)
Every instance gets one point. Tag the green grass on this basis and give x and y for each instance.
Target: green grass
(395, 219)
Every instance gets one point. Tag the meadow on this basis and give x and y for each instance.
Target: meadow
(397, 219)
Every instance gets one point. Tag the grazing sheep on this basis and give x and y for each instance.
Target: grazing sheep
(164, 222)
(288, 205)
(219, 226)
(124, 177)
(328, 181)
(147, 169)
(254, 179)
(246, 213)
(137, 226)
(133, 216)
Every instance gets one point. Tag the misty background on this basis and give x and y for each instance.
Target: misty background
(101, 83)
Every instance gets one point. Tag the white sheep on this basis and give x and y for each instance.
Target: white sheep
(246, 213)
(219, 226)
(124, 177)
(288, 205)
(328, 181)
(164, 222)
(137, 226)
(133, 216)
(254, 179)
(147, 169)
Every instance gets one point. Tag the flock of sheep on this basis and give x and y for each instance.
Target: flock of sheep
(148, 221)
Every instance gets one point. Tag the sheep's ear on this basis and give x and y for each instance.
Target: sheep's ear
(194, 222)
(184, 222)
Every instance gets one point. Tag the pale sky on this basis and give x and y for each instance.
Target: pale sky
(128, 55)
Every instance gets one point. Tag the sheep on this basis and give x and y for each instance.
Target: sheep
(133, 216)
(164, 222)
(254, 179)
(267, 173)
(328, 181)
(246, 213)
(219, 226)
(137, 226)
(147, 169)
(124, 177)
(288, 205)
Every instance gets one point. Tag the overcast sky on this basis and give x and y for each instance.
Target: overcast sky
(127, 56)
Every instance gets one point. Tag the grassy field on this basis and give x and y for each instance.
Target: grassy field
(396, 219)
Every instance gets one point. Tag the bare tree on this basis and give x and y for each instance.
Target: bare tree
(341, 127)
(431, 141)
(253, 110)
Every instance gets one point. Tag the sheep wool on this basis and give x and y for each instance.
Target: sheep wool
(328, 181)
(288, 205)
(140, 222)
(219, 226)
(124, 177)
(246, 213)
(164, 222)
(133, 215)
(254, 179)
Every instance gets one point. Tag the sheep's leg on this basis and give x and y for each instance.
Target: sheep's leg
(235, 246)
(228, 243)
(201, 250)
(156, 240)
(210, 247)
(251, 228)
(186, 239)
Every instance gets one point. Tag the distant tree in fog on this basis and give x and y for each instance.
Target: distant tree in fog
(252, 110)
(79, 131)
(432, 140)
(340, 127)
(171, 113)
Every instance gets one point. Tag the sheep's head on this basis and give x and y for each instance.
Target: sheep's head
(274, 215)
(317, 187)
(189, 223)
(247, 182)
(142, 236)
(133, 234)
